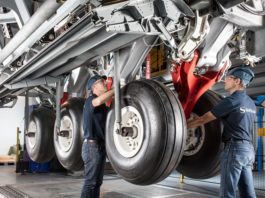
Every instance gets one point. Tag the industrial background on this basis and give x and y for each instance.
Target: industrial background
(166, 59)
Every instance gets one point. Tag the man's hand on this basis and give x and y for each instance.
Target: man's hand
(102, 98)
(194, 123)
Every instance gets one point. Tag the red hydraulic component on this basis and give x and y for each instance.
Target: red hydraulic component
(148, 67)
(191, 87)
(64, 98)
(109, 84)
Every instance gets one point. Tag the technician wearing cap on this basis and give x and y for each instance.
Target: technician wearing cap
(238, 113)
(93, 148)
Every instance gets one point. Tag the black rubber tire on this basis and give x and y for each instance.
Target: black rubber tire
(71, 159)
(206, 162)
(164, 133)
(43, 150)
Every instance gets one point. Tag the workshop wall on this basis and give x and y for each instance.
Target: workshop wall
(10, 119)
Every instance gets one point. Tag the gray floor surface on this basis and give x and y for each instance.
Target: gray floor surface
(55, 185)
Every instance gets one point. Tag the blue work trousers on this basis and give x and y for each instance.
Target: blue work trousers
(94, 157)
(236, 170)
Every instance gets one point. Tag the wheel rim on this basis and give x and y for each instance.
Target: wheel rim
(130, 141)
(65, 137)
(195, 138)
(32, 130)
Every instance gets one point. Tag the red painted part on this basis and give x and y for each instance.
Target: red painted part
(191, 87)
(148, 67)
(64, 98)
(109, 84)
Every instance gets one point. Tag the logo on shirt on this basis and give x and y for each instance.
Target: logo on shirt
(244, 110)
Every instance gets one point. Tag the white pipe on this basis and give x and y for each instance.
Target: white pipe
(47, 9)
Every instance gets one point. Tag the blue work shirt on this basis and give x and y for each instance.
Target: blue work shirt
(94, 120)
(238, 113)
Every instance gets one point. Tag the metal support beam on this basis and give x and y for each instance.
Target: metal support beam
(59, 94)
(220, 32)
(243, 18)
(98, 44)
(31, 83)
(7, 18)
(26, 115)
(35, 95)
(117, 92)
(25, 11)
(135, 55)
(20, 7)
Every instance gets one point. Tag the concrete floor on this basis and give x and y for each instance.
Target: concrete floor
(55, 185)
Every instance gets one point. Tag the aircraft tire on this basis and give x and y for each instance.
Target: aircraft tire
(39, 135)
(68, 140)
(156, 143)
(202, 161)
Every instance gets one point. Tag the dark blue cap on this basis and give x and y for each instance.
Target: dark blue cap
(244, 73)
(93, 79)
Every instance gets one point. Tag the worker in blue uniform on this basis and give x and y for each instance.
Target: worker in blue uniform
(93, 148)
(237, 112)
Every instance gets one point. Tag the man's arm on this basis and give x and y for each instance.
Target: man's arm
(207, 117)
(102, 98)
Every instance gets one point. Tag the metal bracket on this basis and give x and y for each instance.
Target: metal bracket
(196, 33)
(166, 36)
(7, 100)
(190, 86)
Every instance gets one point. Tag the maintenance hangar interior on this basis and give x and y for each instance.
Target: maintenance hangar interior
(167, 62)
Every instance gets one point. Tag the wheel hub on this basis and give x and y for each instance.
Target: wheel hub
(32, 129)
(129, 141)
(65, 135)
(195, 139)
